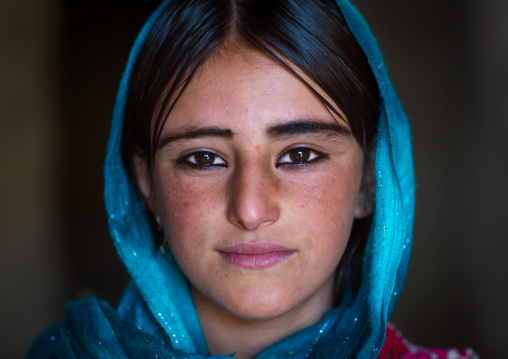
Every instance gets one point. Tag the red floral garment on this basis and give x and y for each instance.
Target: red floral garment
(398, 347)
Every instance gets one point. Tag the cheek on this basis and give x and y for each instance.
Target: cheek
(187, 208)
(327, 197)
(323, 207)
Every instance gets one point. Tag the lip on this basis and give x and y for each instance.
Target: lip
(256, 255)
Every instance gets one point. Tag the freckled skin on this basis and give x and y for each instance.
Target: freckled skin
(308, 209)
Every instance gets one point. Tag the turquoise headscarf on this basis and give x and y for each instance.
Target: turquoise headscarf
(157, 318)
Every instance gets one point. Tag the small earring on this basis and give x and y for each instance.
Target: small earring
(159, 226)
(164, 247)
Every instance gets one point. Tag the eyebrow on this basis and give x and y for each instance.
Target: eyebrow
(307, 126)
(195, 132)
(281, 130)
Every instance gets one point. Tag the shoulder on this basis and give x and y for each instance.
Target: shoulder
(93, 329)
(88, 325)
(397, 347)
(82, 319)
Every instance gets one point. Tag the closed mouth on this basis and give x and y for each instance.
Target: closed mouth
(256, 255)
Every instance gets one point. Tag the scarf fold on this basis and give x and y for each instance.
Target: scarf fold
(95, 330)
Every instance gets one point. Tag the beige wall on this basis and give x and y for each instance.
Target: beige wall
(31, 265)
(487, 177)
(448, 61)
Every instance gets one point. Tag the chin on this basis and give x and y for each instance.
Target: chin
(260, 309)
(248, 302)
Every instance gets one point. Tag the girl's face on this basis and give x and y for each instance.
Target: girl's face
(256, 185)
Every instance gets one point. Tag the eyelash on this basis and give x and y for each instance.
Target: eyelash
(310, 156)
(218, 162)
(284, 160)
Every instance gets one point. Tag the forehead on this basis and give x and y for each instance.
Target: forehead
(239, 86)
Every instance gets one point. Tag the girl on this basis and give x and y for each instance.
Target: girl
(260, 191)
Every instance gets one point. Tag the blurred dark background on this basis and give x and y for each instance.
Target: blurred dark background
(60, 64)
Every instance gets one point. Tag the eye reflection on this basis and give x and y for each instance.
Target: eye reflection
(299, 156)
(203, 159)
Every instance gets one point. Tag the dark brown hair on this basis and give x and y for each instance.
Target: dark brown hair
(311, 34)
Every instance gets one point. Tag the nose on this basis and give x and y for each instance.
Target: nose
(253, 200)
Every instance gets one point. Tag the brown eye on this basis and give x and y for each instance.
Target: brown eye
(204, 159)
(299, 156)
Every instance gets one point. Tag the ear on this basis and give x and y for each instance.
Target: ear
(366, 198)
(144, 181)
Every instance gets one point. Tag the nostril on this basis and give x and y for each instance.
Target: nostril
(251, 210)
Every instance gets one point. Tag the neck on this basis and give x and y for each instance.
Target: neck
(226, 334)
